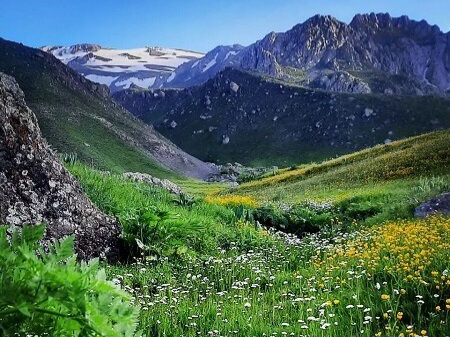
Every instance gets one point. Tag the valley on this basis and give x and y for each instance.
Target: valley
(296, 186)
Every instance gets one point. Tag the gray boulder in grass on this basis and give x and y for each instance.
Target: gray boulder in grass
(437, 205)
(35, 188)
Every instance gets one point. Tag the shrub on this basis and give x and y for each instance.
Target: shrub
(47, 293)
(158, 232)
(362, 207)
(298, 219)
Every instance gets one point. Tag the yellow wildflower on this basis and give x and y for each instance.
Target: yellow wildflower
(385, 297)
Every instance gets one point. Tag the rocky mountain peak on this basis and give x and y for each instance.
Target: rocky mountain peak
(321, 20)
(85, 47)
(389, 55)
(375, 23)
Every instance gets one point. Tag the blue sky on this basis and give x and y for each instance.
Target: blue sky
(192, 24)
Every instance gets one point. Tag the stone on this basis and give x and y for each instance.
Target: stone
(35, 188)
(150, 180)
(234, 87)
(368, 112)
(173, 124)
(437, 205)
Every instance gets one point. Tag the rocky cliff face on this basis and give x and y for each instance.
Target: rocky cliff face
(35, 188)
(375, 52)
(375, 42)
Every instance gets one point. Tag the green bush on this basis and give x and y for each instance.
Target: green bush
(362, 207)
(297, 219)
(47, 293)
(154, 231)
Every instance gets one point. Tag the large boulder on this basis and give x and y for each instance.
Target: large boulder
(438, 205)
(35, 188)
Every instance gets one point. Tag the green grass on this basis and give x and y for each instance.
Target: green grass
(218, 275)
(387, 176)
(297, 288)
(195, 268)
(197, 228)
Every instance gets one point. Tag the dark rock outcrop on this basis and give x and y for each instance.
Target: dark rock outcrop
(438, 205)
(264, 119)
(35, 188)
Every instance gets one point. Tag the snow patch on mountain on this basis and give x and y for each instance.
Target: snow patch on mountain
(141, 82)
(118, 68)
(171, 77)
(106, 80)
(210, 63)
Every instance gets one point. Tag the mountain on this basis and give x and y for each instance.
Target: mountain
(199, 71)
(373, 53)
(119, 68)
(78, 116)
(258, 120)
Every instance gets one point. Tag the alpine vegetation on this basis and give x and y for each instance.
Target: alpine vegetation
(295, 186)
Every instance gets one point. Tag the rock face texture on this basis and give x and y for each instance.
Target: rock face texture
(370, 42)
(35, 188)
(385, 53)
(150, 180)
(437, 205)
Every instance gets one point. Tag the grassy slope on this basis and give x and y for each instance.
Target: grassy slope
(75, 116)
(201, 226)
(385, 173)
(232, 272)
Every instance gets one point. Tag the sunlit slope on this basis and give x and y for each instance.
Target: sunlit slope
(399, 162)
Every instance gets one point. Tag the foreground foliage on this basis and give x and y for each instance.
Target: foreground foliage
(201, 267)
(47, 293)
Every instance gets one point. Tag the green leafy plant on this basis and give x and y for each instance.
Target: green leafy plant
(185, 200)
(153, 231)
(47, 292)
(430, 185)
(298, 219)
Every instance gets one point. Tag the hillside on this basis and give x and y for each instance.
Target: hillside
(255, 120)
(119, 68)
(295, 187)
(216, 261)
(424, 155)
(77, 116)
(380, 183)
(373, 53)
